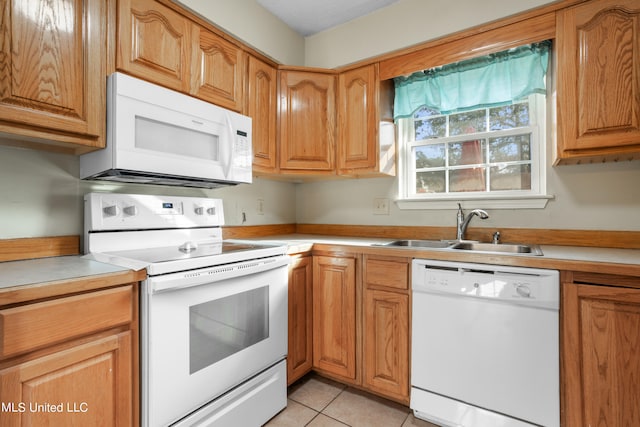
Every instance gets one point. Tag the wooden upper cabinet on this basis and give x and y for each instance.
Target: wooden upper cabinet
(160, 45)
(598, 85)
(217, 70)
(307, 121)
(52, 72)
(262, 102)
(154, 43)
(366, 139)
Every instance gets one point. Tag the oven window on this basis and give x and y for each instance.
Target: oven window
(222, 327)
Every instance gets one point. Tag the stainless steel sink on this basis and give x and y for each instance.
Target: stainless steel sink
(507, 248)
(420, 243)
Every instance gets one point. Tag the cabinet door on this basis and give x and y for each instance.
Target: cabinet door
(299, 357)
(52, 70)
(154, 43)
(386, 343)
(357, 120)
(87, 385)
(600, 355)
(217, 70)
(598, 86)
(307, 121)
(262, 102)
(334, 316)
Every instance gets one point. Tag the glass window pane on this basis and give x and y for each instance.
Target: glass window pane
(222, 327)
(467, 152)
(423, 112)
(509, 116)
(472, 179)
(431, 182)
(514, 177)
(429, 156)
(510, 148)
(431, 128)
(467, 122)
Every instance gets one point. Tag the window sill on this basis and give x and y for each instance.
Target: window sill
(506, 202)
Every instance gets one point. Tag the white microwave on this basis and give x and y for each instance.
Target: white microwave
(159, 136)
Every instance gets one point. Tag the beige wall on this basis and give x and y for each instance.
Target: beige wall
(41, 194)
(249, 22)
(402, 24)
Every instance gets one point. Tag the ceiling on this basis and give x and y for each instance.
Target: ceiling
(308, 17)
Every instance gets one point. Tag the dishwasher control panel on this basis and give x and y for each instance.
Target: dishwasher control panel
(529, 286)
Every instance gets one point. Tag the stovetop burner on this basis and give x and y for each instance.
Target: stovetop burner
(187, 250)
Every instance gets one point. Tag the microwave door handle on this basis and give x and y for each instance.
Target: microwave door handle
(229, 160)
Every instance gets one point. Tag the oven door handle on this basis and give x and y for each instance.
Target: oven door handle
(187, 279)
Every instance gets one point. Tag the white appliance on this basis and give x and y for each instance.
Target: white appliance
(159, 136)
(213, 312)
(485, 345)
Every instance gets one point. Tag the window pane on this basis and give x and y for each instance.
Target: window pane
(509, 116)
(429, 156)
(467, 122)
(431, 128)
(466, 152)
(423, 112)
(472, 179)
(514, 177)
(431, 182)
(510, 148)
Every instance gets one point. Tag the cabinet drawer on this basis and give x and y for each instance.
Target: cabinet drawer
(36, 325)
(391, 273)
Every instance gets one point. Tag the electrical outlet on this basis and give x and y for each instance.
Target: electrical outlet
(260, 207)
(381, 206)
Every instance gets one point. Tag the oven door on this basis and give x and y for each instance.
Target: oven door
(199, 342)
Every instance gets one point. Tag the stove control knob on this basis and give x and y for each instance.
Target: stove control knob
(199, 210)
(211, 211)
(130, 210)
(112, 210)
(523, 290)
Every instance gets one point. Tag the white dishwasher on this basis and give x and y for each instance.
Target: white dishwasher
(485, 343)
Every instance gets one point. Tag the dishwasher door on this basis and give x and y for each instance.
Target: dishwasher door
(485, 345)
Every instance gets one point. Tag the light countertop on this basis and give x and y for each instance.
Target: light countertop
(615, 261)
(54, 269)
(556, 257)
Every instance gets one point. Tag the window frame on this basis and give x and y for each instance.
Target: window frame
(535, 198)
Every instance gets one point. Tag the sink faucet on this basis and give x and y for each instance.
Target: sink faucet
(463, 222)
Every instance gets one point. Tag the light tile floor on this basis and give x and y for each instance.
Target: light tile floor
(315, 401)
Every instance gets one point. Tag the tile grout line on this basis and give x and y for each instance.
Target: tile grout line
(327, 405)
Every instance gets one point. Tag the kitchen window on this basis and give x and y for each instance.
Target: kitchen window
(474, 130)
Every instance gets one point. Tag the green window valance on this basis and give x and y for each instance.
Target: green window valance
(487, 81)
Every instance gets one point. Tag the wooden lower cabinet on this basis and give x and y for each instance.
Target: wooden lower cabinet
(600, 348)
(386, 343)
(71, 360)
(334, 316)
(86, 385)
(361, 318)
(299, 355)
(386, 327)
